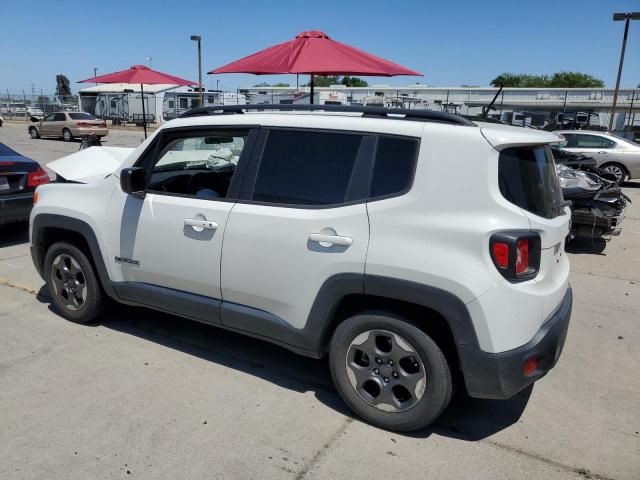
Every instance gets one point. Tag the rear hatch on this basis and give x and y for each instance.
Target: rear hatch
(528, 179)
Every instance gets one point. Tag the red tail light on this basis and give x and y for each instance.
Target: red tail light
(83, 124)
(516, 254)
(501, 254)
(37, 177)
(522, 256)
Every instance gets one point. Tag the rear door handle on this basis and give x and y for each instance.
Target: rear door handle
(327, 240)
(200, 225)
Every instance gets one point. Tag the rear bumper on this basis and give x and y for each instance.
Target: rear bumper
(84, 132)
(16, 207)
(501, 375)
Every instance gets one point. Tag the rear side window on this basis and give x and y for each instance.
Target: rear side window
(527, 178)
(394, 166)
(83, 116)
(306, 168)
(593, 141)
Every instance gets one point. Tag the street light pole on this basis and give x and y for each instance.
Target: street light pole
(617, 17)
(95, 73)
(198, 38)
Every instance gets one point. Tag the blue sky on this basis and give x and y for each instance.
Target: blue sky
(451, 43)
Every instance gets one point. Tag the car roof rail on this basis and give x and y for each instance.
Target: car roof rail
(369, 112)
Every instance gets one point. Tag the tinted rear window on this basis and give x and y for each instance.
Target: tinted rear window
(306, 168)
(394, 165)
(528, 179)
(82, 116)
(6, 151)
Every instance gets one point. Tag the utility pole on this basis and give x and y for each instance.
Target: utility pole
(95, 73)
(198, 38)
(617, 17)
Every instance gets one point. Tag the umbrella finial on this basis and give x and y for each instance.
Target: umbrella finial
(312, 34)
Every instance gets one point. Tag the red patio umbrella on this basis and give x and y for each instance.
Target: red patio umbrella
(314, 53)
(140, 74)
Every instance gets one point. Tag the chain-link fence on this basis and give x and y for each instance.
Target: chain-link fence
(22, 106)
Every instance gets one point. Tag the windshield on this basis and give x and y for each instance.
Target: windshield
(528, 179)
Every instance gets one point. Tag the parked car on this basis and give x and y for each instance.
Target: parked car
(19, 177)
(340, 239)
(35, 112)
(1, 120)
(68, 125)
(613, 154)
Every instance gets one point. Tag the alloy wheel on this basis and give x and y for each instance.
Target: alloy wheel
(617, 171)
(69, 282)
(386, 371)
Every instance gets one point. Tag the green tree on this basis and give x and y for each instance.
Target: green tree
(557, 80)
(63, 87)
(353, 82)
(281, 84)
(327, 81)
(574, 80)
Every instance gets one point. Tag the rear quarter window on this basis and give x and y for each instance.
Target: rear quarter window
(528, 179)
(394, 166)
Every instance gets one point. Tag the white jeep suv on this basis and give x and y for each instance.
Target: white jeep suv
(415, 249)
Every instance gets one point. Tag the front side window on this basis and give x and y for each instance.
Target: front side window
(306, 168)
(60, 117)
(527, 178)
(198, 166)
(49, 118)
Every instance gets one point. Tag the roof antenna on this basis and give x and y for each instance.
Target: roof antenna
(485, 110)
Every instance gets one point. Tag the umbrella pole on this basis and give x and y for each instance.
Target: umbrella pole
(311, 99)
(144, 115)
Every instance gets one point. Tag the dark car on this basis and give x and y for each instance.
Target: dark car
(19, 177)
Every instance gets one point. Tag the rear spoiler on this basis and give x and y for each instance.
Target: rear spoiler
(507, 136)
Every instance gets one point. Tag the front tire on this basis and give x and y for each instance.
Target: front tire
(72, 283)
(33, 132)
(389, 372)
(67, 136)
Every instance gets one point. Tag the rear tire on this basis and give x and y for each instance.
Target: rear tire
(389, 372)
(72, 283)
(67, 136)
(33, 132)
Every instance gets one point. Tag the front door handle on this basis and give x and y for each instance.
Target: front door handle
(200, 225)
(602, 152)
(328, 240)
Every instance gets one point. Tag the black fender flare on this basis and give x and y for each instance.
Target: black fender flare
(49, 220)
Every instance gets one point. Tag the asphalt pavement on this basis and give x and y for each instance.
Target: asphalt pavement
(147, 395)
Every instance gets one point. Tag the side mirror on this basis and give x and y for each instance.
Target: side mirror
(133, 181)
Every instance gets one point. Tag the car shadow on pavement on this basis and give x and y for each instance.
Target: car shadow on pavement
(582, 245)
(466, 418)
(14, 234)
